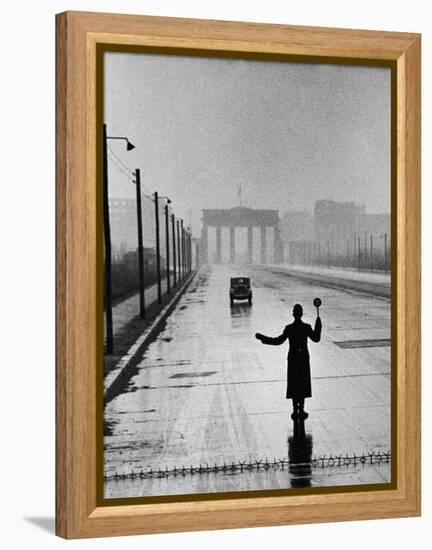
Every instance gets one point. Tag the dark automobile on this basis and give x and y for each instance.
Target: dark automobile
(240, 289)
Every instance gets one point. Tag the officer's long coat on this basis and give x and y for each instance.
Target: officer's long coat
(298, 369)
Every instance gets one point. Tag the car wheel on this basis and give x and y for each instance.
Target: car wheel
(250, 301)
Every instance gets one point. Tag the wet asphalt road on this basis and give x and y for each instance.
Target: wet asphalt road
(207, 391)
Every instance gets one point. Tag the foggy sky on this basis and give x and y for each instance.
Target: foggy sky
(289, 133)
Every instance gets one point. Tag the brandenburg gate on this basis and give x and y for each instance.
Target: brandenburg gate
(241, 217)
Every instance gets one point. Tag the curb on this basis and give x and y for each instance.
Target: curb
(117, 376)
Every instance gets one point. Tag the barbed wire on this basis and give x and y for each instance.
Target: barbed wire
(322, 461)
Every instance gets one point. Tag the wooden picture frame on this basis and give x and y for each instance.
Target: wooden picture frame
(78, 295)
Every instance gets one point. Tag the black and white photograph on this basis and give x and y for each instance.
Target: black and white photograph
(247, 312)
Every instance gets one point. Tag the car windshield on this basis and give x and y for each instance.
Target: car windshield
(240, 281)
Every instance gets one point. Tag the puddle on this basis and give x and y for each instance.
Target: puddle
(194, 374)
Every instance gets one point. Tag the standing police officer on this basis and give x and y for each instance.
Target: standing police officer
(298, 371)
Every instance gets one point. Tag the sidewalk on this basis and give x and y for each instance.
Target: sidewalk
(127, 325)
(135, 335)
(126, 310)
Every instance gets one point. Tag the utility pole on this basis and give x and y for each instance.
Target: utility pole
(189, 251)
(140, 244)
(385, 252)
(354, 249)
(108, 253)
(371, 252)
(179, 251)
(365, 249)
(158, 269)
(107, 238)
(183, 248)
(186, 250)
(174, 249)
(167, 249)
(186, 237)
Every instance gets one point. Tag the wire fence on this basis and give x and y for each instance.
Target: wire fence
(365, 252)
(324, 461)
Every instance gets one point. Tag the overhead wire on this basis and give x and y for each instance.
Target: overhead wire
(127, 175)
(120, 161)
(127, 172)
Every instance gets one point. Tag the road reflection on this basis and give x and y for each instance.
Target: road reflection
(240, 315)
(300, 446)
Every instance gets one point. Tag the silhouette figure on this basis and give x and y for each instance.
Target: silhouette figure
(298, 371)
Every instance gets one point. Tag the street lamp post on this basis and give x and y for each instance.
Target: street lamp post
(158, 270)
(167, 261)
(179, 251)
(186, 251)
(167, 249)
(140, 244)
(183, 247)
(107, 240)
(174, 249)
(190, 250)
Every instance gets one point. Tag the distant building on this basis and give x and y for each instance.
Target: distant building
(123, 222)
(337, 220)
(338, 233)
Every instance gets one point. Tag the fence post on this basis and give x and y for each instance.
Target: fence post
(359, 252)
(366, 250)
(355, 250)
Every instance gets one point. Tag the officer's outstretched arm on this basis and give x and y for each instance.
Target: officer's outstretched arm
(315, 334)
(277, 341)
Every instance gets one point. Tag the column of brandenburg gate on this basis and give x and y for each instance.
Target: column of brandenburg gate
(241, 217)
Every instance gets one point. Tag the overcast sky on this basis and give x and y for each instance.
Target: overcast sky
(288, 133)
